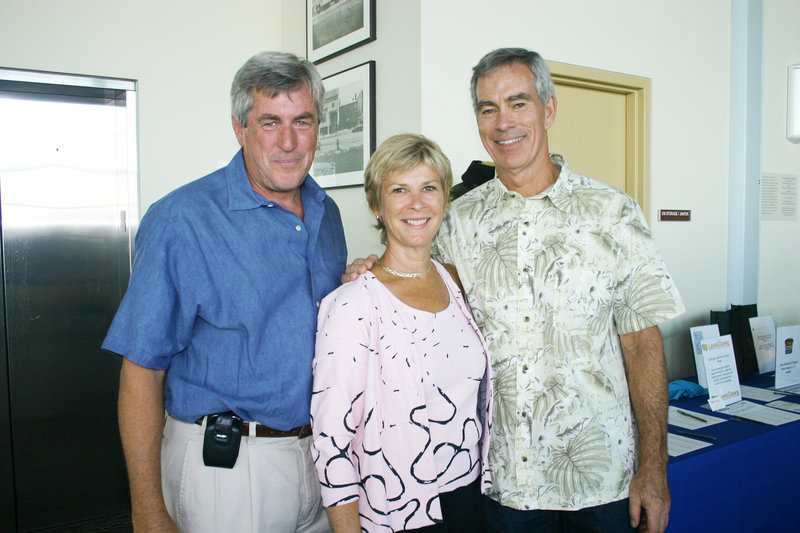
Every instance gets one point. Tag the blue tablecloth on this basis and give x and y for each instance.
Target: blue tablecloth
(747, 480)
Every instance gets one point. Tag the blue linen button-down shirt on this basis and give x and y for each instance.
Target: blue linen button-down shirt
(224, 295)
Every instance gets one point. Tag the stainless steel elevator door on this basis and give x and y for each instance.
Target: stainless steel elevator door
(64, 171)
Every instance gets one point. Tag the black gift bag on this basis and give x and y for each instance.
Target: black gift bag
(736, 322)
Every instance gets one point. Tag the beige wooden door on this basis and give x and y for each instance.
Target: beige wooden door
(602, 127)
(589, 132)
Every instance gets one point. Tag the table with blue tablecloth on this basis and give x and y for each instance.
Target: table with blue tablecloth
(748, 480)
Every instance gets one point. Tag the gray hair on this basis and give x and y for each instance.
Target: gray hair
(273, 73)
(506, 56)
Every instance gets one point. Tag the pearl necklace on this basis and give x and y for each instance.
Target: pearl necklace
(394, 272)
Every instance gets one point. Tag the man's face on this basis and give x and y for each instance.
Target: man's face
(512, 121)
(279, 140)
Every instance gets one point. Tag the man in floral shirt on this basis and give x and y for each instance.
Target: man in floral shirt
(568, 288)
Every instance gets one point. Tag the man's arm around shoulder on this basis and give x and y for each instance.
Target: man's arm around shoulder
(359, 266)
(141, 424)
(647, 381)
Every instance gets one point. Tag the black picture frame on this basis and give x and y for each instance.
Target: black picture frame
(347, 127)
(334, 27)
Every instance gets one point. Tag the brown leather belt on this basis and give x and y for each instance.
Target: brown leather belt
(300, 432)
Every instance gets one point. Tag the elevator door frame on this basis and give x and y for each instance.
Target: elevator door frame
(25, 513)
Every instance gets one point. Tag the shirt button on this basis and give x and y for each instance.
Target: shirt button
(524, 414)
(524, 459)
(526, 319)
(270, 205)
(318, 303)
(298, 228)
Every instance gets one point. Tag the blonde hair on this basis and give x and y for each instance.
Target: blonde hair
(399, 154)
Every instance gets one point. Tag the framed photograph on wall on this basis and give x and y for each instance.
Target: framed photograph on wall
(346, 127)
(335, 26)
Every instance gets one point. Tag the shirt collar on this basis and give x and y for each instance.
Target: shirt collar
(241, 195)
(559, 193)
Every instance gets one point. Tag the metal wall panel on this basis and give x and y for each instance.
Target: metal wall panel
(8, 516)
(65, 166)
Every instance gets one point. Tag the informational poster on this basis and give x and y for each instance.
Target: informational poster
(787, 356)
(778, 197)
(763, 329)
(720, 364)
(699, 333)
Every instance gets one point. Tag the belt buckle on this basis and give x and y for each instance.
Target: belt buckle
(305, 431)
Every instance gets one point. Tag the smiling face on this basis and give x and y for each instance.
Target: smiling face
(279, 141)
(513, 125)
(412, 207)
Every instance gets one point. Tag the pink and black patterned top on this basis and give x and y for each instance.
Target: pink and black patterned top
(401, 404)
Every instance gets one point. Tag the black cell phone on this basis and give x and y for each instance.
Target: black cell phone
(222, 438)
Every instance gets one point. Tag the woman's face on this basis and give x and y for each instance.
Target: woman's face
(412, 207)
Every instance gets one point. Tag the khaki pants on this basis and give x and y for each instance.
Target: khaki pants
(272, 488)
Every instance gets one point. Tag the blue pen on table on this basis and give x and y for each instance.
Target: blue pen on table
(786, 393)
(737, 418)
(696, 435)
(690, 415)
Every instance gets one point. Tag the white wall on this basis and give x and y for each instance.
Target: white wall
(183, 53)
(687, 59)
(779, 284)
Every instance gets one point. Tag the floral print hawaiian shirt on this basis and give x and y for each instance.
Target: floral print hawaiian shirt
(553, 280)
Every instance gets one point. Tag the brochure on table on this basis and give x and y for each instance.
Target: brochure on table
(720, 368)
(698, 334)
(764, 414)
(679, 445)
(787, 356)
(763, 329)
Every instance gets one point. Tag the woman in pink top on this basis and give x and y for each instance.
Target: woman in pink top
(401, 399)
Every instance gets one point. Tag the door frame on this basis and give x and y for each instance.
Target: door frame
(23, 509)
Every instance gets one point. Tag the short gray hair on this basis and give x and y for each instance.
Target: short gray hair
(506, 56)
(273, 73)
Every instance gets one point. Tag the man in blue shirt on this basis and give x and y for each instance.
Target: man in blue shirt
(217, 326)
